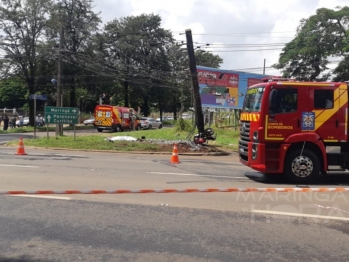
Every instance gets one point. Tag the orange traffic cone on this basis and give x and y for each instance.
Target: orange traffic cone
(174, 158)
(20, 150)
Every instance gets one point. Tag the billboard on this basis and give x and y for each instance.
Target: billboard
(224, 88)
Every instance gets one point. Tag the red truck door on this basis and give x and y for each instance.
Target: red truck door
(330, 113)
(126, 117)
(284, 117)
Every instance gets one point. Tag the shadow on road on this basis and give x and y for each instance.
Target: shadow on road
(21, 259)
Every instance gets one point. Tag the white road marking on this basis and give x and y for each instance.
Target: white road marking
(42, 196)
(19, 166)
(298, 215)
(180, 174)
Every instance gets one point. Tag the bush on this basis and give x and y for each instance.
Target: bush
(168, 122)
(183, 125)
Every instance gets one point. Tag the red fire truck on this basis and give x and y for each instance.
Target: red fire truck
(116, 118)
(299, 129)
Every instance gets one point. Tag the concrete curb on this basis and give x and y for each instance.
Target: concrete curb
(139, 152)
(222, 153)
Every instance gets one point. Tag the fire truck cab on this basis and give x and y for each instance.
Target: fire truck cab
(115, 118)
(299, 129)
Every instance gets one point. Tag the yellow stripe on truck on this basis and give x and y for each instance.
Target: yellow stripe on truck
(340, 98)
(116, 113)
(253, 117)
(104, 121)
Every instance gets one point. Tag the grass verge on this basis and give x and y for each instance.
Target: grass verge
(227, 139)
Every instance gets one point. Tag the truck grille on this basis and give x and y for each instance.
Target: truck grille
(244, 139)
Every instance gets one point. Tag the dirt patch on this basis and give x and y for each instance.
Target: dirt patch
(187, 148)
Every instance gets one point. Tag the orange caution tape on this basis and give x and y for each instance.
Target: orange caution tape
(170, 190)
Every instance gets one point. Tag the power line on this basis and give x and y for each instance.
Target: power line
(246, 50)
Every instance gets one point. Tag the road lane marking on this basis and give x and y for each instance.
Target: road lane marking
(19, 166)
(47, 197)
(180, 174)
(298, 215)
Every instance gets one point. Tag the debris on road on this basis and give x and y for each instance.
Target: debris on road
(184, 146)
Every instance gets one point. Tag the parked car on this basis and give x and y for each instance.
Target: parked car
(89, 121)
(165, 118)
(25, 121)
(149, 123)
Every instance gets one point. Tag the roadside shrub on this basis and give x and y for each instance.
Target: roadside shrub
(183, 125)
(168, 122)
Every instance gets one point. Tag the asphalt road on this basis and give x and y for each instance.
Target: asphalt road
(162, 227)
(59, 230)
(4, 138)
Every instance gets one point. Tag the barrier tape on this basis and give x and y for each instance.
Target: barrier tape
(188, 190)
(335, 208)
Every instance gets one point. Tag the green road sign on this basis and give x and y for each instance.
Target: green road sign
(61, 115)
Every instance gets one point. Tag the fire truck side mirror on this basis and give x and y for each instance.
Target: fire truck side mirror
(272, 100)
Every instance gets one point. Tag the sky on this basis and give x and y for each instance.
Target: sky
(236, 30)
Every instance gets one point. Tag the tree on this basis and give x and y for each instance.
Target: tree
(319, 37)
(80, 23)
(180, 97)
(134, 49)
(23, 23)
(12, 93)
(207, 59)
(341, 71)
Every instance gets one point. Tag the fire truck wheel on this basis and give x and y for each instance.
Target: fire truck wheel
(118, 128)
(99, 130)
(302, 168)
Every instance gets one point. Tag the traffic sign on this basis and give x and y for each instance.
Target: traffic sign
(61, 115)
(37, 97)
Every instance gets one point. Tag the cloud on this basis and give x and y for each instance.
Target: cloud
(225, 23)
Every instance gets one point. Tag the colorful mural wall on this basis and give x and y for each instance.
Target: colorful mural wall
(224, 88)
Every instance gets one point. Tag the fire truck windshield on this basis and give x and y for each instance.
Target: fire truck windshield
(253, 99)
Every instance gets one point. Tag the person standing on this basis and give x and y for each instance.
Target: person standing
(132, 118)
(39, 120)
(13, 121)
(21, 120)
(6, 120)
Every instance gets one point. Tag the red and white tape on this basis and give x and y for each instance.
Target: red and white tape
(169, 190)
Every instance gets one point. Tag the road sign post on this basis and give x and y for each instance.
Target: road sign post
(61, 115)
(35, 97)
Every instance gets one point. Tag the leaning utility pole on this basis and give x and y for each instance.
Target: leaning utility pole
(195, 82)
(59, 100)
